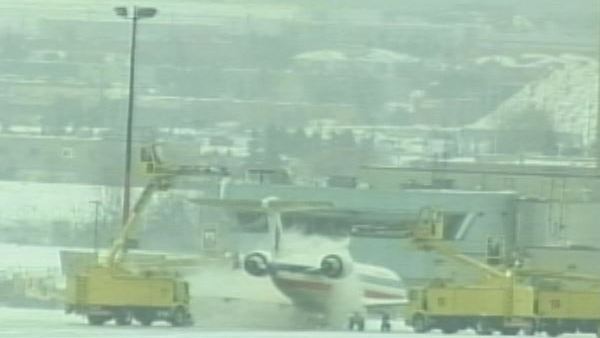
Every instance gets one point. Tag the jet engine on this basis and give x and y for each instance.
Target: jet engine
(257, 263)
(335, 266)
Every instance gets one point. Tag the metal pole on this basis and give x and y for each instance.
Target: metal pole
(127, 183)
(96, 247)
(597, 143)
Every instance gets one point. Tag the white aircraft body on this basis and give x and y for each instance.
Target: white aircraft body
(322, 280)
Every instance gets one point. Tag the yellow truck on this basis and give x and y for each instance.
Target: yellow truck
(505, 300)
(497, 303)
(484, 308)
(108, 291)
(103, 293)
(568, 310)
(505, 307)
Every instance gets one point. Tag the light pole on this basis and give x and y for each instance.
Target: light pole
(134, 14)
(597, 143)
(97, 205)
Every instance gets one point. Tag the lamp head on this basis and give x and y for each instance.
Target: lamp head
(137, 12)
(121, 11)
(145, 12)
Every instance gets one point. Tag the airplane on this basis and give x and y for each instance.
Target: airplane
(317, 275)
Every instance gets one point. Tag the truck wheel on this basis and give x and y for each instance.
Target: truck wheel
(123, 318)
(97, 320)
(449, 328)
(553, 333)
(482, 327)
(553, 329)
(449, 325)
(530, 329)
(146, 321)
(179, 317)
(419, 323)
(144, 317)
(509, 331)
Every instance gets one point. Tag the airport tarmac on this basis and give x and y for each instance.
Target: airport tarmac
(56, 324)
(30, 323)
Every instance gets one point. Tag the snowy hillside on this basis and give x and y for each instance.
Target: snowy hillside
(568, 95)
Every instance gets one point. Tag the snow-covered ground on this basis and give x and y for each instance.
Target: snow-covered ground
(41, 204)
(227, 304)
(15, 256)
(55, 324)
(16, 323)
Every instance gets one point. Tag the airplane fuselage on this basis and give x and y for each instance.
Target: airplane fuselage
(366, 288)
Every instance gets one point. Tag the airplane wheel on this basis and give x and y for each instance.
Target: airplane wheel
(386, 327)
(356, 321)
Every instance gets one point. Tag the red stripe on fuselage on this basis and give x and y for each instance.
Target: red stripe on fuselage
(321, 286)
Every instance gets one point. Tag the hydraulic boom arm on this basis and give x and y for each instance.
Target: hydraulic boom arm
(163, 176)
(157, 183)
(428, 235)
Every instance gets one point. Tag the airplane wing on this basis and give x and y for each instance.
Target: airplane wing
(289, 206)
(237, 204)
(74, 260)
(395, 306)
(272, 204)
